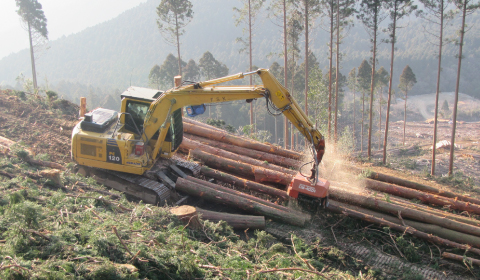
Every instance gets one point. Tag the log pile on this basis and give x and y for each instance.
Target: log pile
(385, 200)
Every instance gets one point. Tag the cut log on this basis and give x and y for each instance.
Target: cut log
(259, 173)
(239, 141)
(428, 228)
(414, 185)
(371, 219)
(243, 183)
(209, 194)
(237, 193)
(463, 259)
(46, 164)
(234, 220)
(384, 206)
(188, 215)
(434, 211)
(270, 158)
(197, 123)
(422, 196)
(188, 144)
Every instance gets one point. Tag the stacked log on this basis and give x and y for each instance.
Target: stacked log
(240, 200)
(385, 201)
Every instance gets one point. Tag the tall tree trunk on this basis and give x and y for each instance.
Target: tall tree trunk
(330, 74)
(369, 151)
(32, 58)
(389, 91)
(250, 58)
(354, 116)
(405, 117)
(306, 56)
(335, 134)
(178, 47)
(285, 74)
(380, 119)
(363, 121)
(454, 124)
(438, 90)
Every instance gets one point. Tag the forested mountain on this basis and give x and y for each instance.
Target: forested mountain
(120, 52)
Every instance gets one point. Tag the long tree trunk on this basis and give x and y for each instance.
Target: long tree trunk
(285, 74)
(380, 205)
(188, 144)
(421, 230)
(269, 158)
(437, 93)
(266, 209)
(405, 117)
(240, 141)
(250, 58)
(372, 87)
(454, 124)
(354, 117)
(260, 174)
(32, 58)
(178, 46)
(306, 55)
(380, 119)
(363, 122)
(337, 80)
(234, 220)
(390, 86)
(330, 74)
(243, 183)
(422, 196)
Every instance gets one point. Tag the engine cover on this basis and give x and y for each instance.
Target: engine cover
(300, 184)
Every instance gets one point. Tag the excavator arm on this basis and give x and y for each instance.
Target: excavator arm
(277, 97)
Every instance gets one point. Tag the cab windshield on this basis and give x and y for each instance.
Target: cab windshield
(138, 111)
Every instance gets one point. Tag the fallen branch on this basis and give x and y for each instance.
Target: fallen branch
(292, 268)
(121, 241)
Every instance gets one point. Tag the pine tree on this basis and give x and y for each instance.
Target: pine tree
(382, 79)
(371, 14)
(247, 15)
(32, 15)
(154, 76)
(352, 84)
(436, 17)
(191, 72)
(407, 81)
(397, 9)
(173, 16)
(169, 69)
(364, 79)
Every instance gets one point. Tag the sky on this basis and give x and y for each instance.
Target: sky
(64, 17)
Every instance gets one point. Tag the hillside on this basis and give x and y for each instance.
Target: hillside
(72, 227)
(120, 52)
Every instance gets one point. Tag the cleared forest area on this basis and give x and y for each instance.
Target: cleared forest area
(60, 224)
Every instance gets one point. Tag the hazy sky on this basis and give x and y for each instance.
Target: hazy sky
(64, 17)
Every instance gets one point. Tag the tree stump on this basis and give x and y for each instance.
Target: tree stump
(188, 215)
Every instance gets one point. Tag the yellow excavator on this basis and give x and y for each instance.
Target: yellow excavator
(150, 126)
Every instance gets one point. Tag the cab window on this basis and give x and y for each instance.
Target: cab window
(137, 111)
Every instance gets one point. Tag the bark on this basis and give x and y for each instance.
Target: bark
(259, 173)
(416, 186)
(422, 196)
(188, 144)
(285, 72)
(384, 206)
(239, 141)
(236, 193)
(462, 259)
(46, 164)
(457, 87)
(425, 231)
(271, 158)
(434, 211)
(382, 222)
(243, 183)
(248, 205)
(337, 61)
(197, 123)
(234, 220)
(188, 215)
